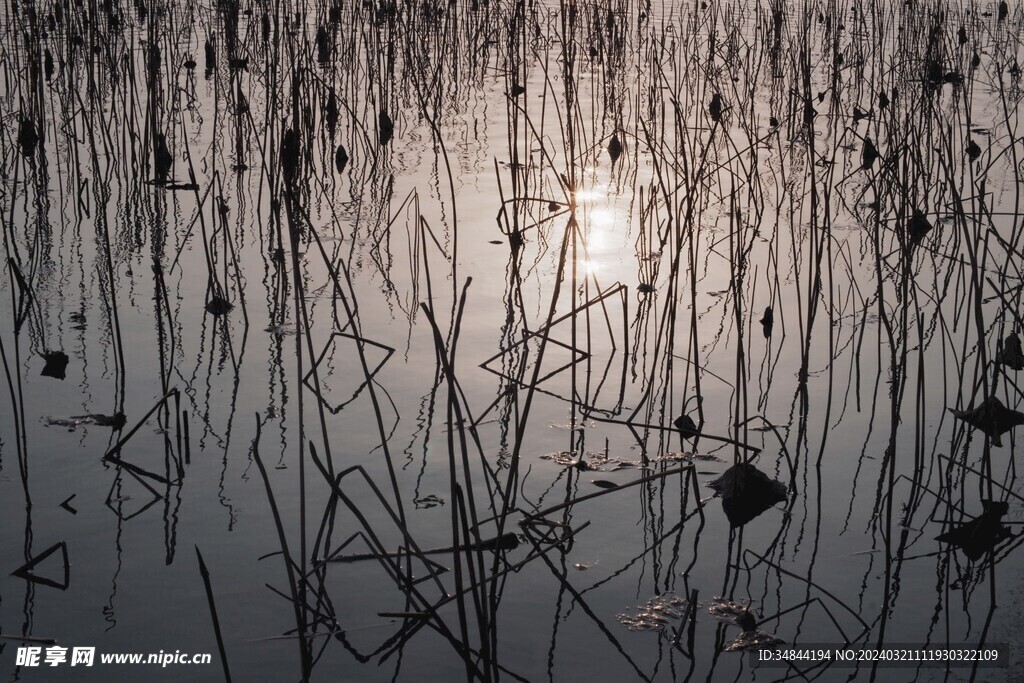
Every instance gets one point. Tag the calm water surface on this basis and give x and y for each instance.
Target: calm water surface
(314, 280)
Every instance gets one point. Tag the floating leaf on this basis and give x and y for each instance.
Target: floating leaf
(746, 492)
(28, 138)
(385, 128)
(918, 227)
(686, 426)
(992, 418)
(726, 610)
(163, 160)
(323, 45)
(341, 159)
(869, 154)
(218, 306)
(767, 321)
(331, 112)
(56, 364)
(973, 150)
(809, 113)
(753, 640)
(211, 56)
(716, 107)
(1011, 355)
(656, 614)
(983, 533)
(614, 148)
(290, 155)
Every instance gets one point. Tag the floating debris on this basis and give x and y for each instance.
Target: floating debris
(507, 541)
(280, 330)
(656, 614)
(27, 571)
(991, 417)
(115, 421)
(190, 187)
(983, 533)
(686, 457)
(67, 504)
(747, 492)
(428, 501)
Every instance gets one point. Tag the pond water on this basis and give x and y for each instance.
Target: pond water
(299, 297)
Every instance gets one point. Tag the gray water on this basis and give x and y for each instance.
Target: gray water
(482, 299)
